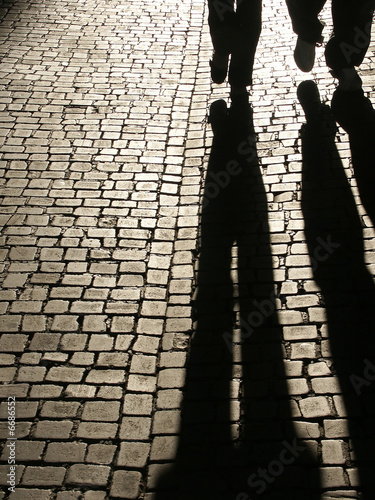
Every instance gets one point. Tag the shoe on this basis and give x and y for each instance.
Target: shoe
(349, 80)
(219, 67)
(304, 55)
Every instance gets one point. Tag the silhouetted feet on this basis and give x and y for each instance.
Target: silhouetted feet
(304, 55)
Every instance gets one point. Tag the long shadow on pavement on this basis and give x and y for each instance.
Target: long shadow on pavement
(354, 112)
(334, 237)
(238, 440)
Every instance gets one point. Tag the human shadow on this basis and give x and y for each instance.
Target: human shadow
(238, 440)
(354, 112)
(334, 236)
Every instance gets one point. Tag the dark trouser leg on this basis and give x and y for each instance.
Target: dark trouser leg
(352, 21)
(305, 22)
(220, 20)
(248, 28)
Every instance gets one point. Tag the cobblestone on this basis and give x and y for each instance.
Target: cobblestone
(94, 475)
(43, 476)
(65, 452)
(100, 453)
(125, 484)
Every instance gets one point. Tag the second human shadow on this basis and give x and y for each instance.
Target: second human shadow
(334, 229)
(238, 437)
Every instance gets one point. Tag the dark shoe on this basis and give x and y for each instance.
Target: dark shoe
(219, 67)
(349, 80)
(304, 55)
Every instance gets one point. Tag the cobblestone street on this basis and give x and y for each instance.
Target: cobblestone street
(187, 297)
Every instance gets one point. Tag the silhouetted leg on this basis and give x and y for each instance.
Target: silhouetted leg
(354, 112)
(220, 20)
(304, 16)
(248, 24)
(348, 292)
(352, 21)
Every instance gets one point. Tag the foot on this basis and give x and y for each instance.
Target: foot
(349, 80)
(304, 55)
(219, 67)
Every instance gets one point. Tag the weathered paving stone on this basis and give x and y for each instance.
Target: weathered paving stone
(137, 404)
(32, 493)
(164, 448)
(65, 374)
(94, 430)
(44, 476)
(333, 452)
(54, 429)
(44, 391)
(107, 411)
(94, 475)
(105, 376)
(94, 495)
(68, 495)
(166, 422)
(315, 407)
(133, 454)
(100, 453)
(65, 452)
(125, 484)
(45, 342)
(26, 450)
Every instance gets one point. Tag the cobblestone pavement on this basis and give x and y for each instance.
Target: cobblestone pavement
(131, 221)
